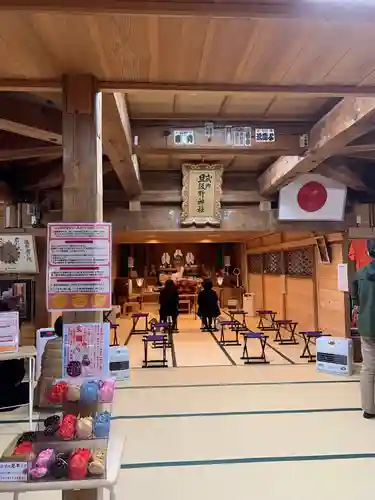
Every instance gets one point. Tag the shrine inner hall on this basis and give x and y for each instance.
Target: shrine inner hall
(193, 184)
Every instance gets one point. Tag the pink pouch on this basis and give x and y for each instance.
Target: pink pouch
(107, 391)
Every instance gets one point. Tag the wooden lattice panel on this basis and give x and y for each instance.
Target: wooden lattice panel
(255, 264)
(273, 263)
(300, 262)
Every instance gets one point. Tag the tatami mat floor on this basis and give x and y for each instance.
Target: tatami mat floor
(273, 432)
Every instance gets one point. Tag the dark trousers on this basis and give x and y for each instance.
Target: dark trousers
(164, 319)
(207, 322)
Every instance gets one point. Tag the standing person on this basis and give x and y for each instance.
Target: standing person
(363, 297)
(208, 305)
(169, 303)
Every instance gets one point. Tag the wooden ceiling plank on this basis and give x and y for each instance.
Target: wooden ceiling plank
(30, 119)
(309, 9)
(117, 143)
(345, 122)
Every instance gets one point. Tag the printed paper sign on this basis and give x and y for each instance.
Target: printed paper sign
(9, 331)
(13, 471)
(342, 277)
(265, 135)
(85, 352)
(79, 267)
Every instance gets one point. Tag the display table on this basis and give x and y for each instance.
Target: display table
(193, 298)
(149, 298)
(113, 464)
(28, 352)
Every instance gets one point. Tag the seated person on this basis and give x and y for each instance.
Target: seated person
(208, 305)
(169, 303)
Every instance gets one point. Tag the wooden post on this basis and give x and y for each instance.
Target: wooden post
(244, 271)
(347, 304)
(83, 180)
(315, 289)
(42, 316)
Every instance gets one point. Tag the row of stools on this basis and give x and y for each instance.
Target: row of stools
(159, 336)
(268, 322)
(156, 335)
(237, 325)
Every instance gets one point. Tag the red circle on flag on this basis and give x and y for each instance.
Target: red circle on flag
(312, 196)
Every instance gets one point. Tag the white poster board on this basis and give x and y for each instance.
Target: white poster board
(9, 331)
(342, 277)
(79, 267)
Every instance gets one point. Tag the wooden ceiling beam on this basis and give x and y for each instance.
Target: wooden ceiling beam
(117, 143)
(165, 122)
(341, 172)
(26, 153)
(110, 86)
(308, 9)
(54, 178)
(239, 88)
(349, 119)
(161, 140)
(357, 148)
(191, 153)
(175, 196)
(30, 119)
(158, 197)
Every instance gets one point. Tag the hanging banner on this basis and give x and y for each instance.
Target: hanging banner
(79, 266)
(9, 331)
(86, 350)
(201, 194)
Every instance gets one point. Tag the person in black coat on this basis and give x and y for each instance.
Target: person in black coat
(208, 305)
(169, 303)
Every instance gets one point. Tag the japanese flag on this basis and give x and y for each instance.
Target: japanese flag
(312, 197)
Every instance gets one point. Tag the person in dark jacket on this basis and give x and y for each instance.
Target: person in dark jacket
(169, 303)
(363, 299)
(208, 305)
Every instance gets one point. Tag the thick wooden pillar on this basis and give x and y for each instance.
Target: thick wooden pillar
(244, 270)
(82, 161)
(83, 180)
(41, 319)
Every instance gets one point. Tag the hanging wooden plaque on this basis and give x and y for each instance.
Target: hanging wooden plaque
(201, 194)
